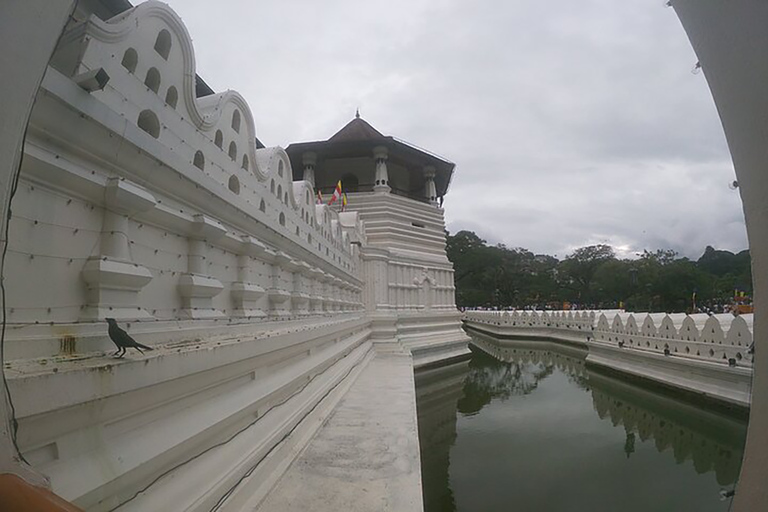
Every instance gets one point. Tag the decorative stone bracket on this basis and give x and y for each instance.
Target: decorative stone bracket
(196, 288)
(113, 279)
(245, 293)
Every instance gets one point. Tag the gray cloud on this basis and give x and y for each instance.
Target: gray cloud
(570, 122)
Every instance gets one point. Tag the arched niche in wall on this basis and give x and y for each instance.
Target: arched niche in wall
(245, 165)
(163, 44)
(218, 139)
(130, 60)
(171, 97)
(149, 123)
(233, 150)
(236, 121)
(153, 79)
(199, 160)
(234, 184)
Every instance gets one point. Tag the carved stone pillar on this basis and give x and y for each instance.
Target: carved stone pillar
(112, 278)
(246, 293)
(282, 282)
(299, 296)
(197, 288)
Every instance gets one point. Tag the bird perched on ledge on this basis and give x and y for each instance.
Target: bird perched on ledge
(122, 339)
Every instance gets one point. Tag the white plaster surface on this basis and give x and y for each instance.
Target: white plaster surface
(366, 457)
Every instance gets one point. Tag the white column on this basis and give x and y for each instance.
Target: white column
(245, 292)
(430, 190)
(309, 159)
(381, 183)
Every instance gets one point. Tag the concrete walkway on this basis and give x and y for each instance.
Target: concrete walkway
(366, 456)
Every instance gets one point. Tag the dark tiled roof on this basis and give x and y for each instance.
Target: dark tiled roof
(356, 129)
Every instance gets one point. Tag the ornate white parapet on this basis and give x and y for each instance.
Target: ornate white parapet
(113, 279)
(196, 287)
(706, 354)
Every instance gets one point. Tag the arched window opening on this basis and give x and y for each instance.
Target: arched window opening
(285, 199)
(171, 97)
(199, 160)
(163, 44)
(298, 233)
(309, 237)
(245, 164)
(272, 187)
(306, 197)
(153, 79)
(149, 123)
(233, 150)
(218, 139)
(282, 219)
(130, 60)
(279, 191)
(236, 121)
(263, 206)
(234, 184)
(280, 168)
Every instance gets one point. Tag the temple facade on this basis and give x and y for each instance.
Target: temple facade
(146, 197)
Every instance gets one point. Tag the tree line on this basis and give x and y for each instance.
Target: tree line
(497, 276)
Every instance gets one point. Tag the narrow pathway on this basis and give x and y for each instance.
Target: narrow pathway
(366, 456)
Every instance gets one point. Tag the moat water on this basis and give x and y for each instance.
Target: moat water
(528, 427)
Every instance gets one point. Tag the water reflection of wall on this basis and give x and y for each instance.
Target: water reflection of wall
(711, 440)
(437, 393)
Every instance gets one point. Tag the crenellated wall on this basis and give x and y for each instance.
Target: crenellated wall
(186, 222)
(707, 355)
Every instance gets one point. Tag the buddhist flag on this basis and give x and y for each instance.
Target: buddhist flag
(336, 194)
(319, 197)
(343, 201)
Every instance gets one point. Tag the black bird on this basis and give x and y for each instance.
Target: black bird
(122, 339)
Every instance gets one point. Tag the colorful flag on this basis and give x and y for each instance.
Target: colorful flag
(343, 201)
(336, 194)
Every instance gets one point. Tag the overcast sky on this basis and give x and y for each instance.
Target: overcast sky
(571, 123)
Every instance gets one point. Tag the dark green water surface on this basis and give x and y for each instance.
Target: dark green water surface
(527, 427)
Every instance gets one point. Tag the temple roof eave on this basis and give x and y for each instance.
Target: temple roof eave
(399, 152)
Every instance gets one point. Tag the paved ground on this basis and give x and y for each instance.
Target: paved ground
(366, 456)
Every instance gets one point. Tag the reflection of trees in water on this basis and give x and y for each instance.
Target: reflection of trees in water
(712, 442)
(491, 378)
